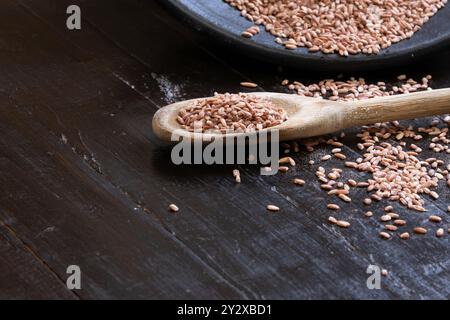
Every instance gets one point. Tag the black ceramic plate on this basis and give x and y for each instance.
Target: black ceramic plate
(224, 23)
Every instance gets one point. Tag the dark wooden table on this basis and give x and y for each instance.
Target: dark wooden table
(84, 181)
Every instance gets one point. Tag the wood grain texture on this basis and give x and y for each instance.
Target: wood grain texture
(24, 274)
(398, 107)
(84, 181)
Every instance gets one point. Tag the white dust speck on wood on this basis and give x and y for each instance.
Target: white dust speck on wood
(172, 92)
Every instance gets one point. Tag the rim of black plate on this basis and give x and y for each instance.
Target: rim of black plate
(394, 55)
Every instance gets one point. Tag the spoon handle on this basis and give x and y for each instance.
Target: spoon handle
(399, 107)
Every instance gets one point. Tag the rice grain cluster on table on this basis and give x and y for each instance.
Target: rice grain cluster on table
(357, 89)
(390, 157)
(338, 26)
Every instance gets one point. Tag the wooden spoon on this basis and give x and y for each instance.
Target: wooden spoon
(310, 117)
